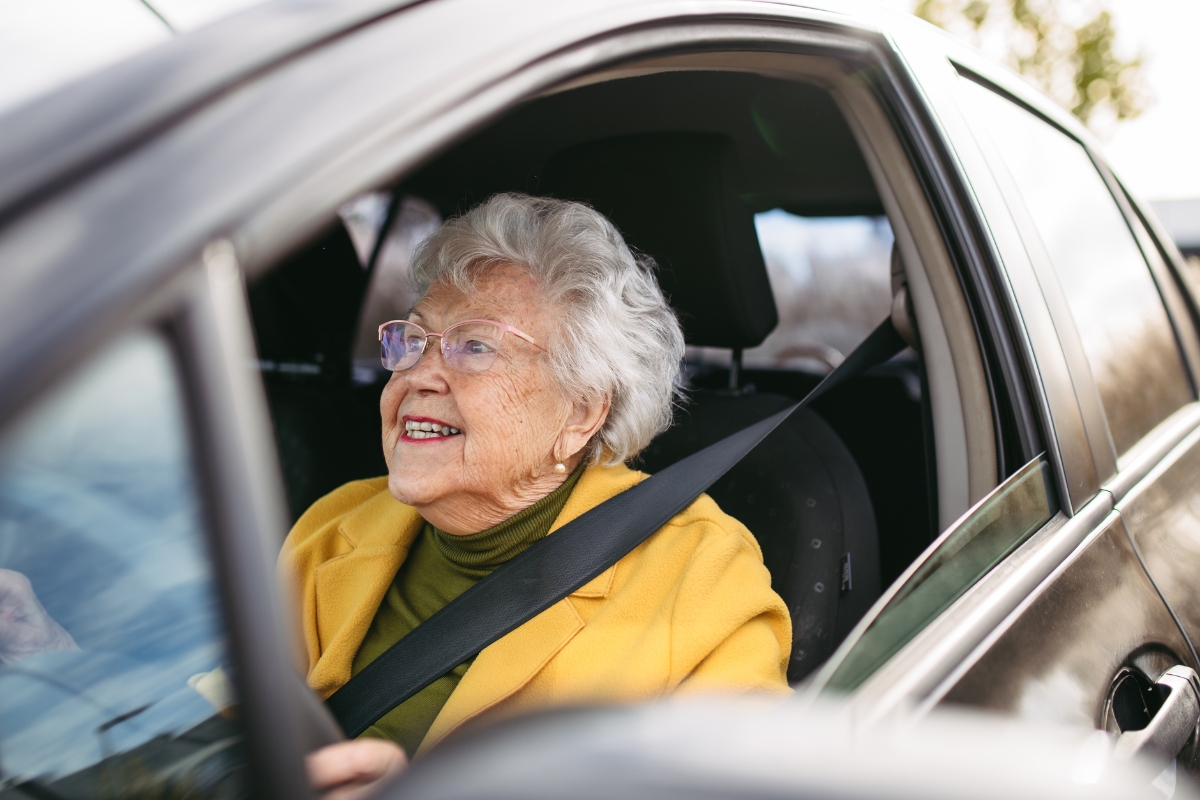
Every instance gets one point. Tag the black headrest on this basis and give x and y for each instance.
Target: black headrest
(672, 196)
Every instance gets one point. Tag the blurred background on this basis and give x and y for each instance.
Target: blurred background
(1127, 68)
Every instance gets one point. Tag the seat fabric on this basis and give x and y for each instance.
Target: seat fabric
(803, 497)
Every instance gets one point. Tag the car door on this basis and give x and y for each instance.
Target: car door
(266, 156)
(1053, 627)
(150, 194)
(1099, 616)
(1157, 490)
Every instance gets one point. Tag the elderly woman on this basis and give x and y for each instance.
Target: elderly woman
(540, 358)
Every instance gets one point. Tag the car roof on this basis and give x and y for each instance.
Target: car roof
(64, 134)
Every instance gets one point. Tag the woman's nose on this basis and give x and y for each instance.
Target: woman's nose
(429, 373)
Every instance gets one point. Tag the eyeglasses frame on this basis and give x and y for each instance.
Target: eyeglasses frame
(506, 328)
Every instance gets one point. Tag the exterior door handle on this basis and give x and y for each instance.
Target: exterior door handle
(1174, 724)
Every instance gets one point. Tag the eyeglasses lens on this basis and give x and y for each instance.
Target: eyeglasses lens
(469, 347)
(402, 345)
(472, 347)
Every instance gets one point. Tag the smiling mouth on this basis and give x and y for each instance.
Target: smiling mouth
(424, 429)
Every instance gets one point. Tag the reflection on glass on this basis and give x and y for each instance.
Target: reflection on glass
(113, 670)
(963, 555)
(1124, 328)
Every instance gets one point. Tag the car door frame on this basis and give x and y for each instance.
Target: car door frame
(916, 677)
(246, 515)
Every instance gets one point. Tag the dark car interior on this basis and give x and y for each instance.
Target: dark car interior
(841, 498)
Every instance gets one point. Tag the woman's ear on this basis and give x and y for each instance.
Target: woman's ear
(582, 424)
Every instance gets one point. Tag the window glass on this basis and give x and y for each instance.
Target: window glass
(391, 292)
(1119, 314)
(961, 556)
(114, 675)
(831, 278)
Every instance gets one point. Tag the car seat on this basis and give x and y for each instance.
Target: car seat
(800, 492)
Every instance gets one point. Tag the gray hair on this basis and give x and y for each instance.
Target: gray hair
(604, 292)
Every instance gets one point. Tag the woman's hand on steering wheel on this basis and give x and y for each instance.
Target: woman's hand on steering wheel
(354, 769)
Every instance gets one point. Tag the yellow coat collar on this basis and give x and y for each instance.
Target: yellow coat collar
(350, 587)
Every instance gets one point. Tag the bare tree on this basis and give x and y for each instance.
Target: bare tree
(1064, 46)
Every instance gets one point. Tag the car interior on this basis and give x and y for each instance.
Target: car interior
(786, 222)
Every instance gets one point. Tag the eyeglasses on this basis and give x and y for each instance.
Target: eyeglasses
(467, 346)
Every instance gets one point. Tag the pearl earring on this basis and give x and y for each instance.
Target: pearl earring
(560, 468)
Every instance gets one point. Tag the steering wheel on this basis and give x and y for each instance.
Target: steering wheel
(320, 727)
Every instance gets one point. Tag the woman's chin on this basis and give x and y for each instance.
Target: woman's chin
(402, 491)
(413, 489)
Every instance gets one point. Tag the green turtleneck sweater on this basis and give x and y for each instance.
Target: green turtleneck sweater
(440, 566)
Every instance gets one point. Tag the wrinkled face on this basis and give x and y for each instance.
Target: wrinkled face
(509, 418)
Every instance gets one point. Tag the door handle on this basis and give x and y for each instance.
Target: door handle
(1174, 724)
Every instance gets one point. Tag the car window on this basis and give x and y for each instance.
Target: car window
(962, 555)
(1123, 326)
(391, 292)
(113, 668)
(831, 278)
(832, 284)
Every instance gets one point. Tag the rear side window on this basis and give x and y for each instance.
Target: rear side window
(831, 278)
(114, 673)
(1122, 323)
(391, 291)
(832, 284)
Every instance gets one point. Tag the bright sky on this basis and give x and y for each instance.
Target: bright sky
(1157, 154)
(45, 43)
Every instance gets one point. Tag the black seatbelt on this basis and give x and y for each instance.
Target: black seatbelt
(557, 565)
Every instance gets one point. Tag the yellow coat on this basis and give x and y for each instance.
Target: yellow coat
(691, 608)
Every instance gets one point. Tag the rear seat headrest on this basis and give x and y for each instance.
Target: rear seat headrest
(672, 195)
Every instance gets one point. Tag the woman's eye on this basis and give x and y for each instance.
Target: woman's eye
(475, 347)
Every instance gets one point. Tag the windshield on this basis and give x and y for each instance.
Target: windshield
(113, 665)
